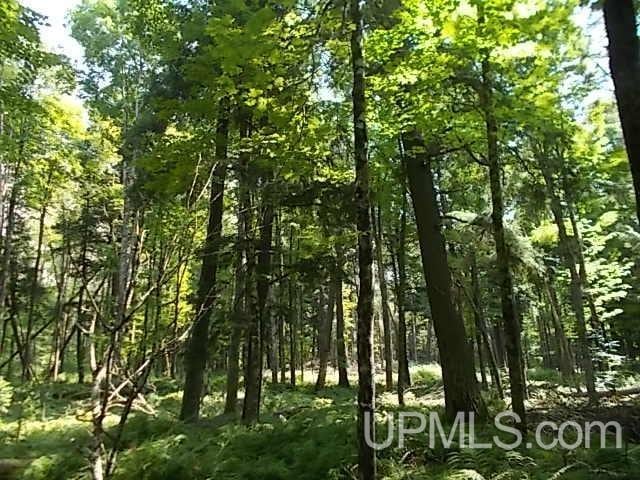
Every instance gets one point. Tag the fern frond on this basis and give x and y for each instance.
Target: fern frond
(560, 473)
(466, 474)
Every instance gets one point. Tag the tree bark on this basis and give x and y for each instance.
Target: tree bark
(255, 334)
(327, 304)
(343, 376)
(567, 248)
(460, 385)
(384, 298)
(237, 321)
(511, 325)
(197, 349)
(293, 324)
(366, 385)
(624, 61)
(562, 345)
(481, 327)
(404, 378)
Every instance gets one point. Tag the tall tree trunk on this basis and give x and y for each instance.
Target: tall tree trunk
(237, 321)
(366, 385)
(460, 385)
(400, 283)
(196, 353)
(624, 60)
(29, 349)
(567, 245)
(512, 331)
(384, 298)
(292, 316)
(7, 246)
(255, 334)
(80, 311)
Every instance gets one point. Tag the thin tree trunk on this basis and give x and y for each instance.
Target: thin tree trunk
(400, 283)
(481, 327)
(237, 320)
(27, 371)
(384, 297)
(292, 316)
(366, 385)
(562, 345)
(567, 247)
(512, 331)
(343, 376)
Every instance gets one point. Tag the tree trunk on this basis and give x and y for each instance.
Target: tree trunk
(384, 298)
(80, 313)
(343, 376)
(29, 349)
(196, 354)
(567, 248)
(328, 300)
(545, 350)
(237, 321)
(7, 247)
(255, 334)
(562, 345)
(481, 327)
(400, 283)
(293, 324)
(624, 61)
(511, 325)
(460, 385)
(366, 385)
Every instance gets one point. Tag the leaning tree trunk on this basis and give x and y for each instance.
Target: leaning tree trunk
(624, 60)
(460, 385)
(366, 385)
(197, 349)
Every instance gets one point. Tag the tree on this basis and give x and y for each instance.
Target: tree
(461, 391)
(362, 204)
(624, 54)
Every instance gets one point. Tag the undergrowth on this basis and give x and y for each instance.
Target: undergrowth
(304, 434)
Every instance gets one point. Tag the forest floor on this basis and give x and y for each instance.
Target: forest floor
(303, 435)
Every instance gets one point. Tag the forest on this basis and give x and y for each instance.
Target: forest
(238, 238)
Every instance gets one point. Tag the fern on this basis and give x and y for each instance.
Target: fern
(560, 473)
(466, 474)
(517, 459)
